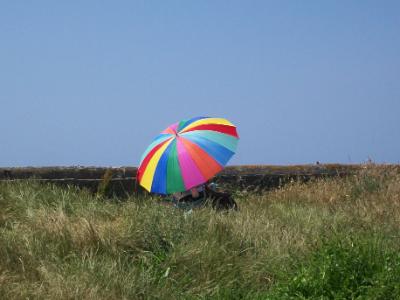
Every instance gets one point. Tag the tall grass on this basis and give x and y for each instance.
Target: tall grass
(327, 239)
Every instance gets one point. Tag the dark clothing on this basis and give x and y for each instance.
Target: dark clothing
(218, 200)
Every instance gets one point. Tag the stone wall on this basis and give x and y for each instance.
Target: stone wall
(121, 181)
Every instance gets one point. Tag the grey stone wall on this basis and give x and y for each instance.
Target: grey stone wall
(121, 181)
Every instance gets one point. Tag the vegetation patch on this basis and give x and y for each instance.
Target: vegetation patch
(332, 238)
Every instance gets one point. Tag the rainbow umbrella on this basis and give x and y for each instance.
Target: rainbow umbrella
(187, 154)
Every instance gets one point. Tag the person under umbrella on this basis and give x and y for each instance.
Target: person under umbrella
(186, 155)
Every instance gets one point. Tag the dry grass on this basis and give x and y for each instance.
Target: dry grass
(64, 243)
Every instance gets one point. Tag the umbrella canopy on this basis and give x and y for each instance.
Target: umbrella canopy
(187, 154)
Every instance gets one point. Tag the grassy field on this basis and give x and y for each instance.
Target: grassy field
(327, 239)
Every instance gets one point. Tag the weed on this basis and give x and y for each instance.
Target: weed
(324, 239)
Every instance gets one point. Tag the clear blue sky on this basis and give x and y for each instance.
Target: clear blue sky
(92, 82)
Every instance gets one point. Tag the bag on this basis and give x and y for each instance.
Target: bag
(220, 200)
